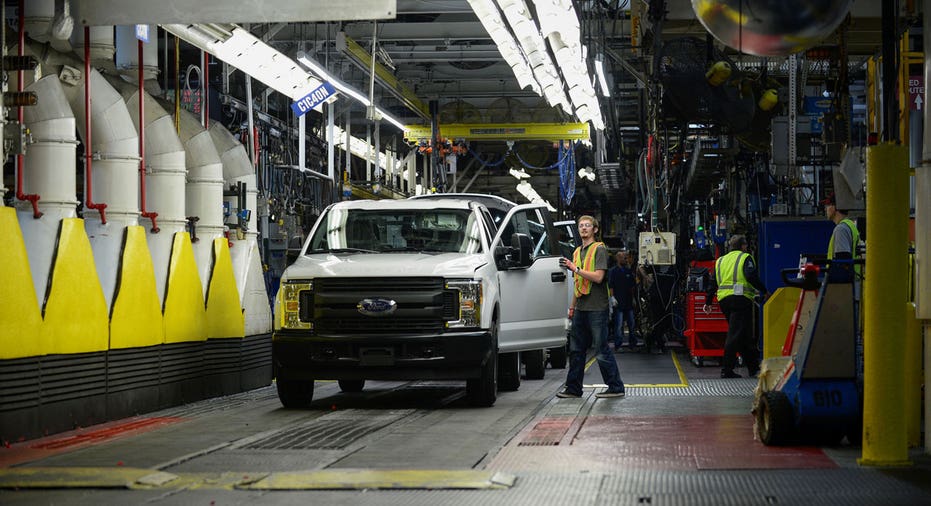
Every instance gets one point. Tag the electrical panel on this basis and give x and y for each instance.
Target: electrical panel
(657, 248)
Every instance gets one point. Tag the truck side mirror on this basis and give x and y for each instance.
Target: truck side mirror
(521, 248)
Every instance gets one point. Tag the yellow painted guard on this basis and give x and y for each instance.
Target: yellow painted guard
(76, 319)
(224, 314)
(136, 319)
(19, 309)
(777, 316)
(185, 317)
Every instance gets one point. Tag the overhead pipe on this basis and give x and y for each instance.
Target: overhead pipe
(142, 208)
(88, 151)
(20, 159)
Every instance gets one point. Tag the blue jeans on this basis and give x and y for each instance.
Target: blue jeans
(625, 316)
(590, 327)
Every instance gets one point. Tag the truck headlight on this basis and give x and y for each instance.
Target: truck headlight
(288, 304)
(470, 302)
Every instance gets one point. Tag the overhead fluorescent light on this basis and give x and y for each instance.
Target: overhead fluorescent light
(236, 46)
(322, 73)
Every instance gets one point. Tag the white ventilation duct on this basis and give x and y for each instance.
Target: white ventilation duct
(127, 54)
(101, 45)
(49, 21)
(247, 263)
(49, 171)
(115, 179)
(165, 182)
(204, 191)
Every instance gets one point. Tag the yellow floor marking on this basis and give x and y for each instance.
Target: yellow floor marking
(129, 478)
(683, 381)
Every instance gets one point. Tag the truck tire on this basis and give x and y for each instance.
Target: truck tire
(351, 385)
(775, 421)
(483, 391)
(509, 371)
(535, 362)
(558, 357)
(295, 393)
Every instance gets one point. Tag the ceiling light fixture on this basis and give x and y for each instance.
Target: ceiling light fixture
(322, 73)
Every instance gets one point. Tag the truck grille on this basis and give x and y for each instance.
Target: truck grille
(424, 305)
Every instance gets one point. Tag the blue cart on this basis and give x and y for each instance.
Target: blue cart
(812, 393)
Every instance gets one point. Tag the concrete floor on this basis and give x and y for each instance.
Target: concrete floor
(681, 436)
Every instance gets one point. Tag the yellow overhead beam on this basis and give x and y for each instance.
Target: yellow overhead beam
(363, 59)
(502, 132)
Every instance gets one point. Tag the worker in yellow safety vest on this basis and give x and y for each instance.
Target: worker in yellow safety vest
(844, 238)
(736, 282)
(589, 313)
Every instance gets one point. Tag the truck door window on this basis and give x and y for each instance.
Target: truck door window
(532, 223)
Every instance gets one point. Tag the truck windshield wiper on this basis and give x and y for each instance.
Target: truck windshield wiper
(399, 248)
(343, 250)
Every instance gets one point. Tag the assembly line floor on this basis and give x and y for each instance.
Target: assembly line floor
(682, 435)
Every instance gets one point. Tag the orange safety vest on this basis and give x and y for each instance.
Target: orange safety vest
(584, 286)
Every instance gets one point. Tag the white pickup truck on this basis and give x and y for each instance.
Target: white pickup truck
(420, 289)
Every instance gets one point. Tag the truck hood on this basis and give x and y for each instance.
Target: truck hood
(369, 265)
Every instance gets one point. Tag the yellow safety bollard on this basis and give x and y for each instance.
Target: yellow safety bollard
(884, 426)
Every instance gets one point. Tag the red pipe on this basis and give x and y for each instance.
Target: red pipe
(20, 159)
(205, 97)
(88, 156)
(151, 215)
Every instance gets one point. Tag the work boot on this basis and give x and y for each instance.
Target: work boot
(729, 373)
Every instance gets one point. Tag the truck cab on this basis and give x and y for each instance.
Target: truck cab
(415, 289)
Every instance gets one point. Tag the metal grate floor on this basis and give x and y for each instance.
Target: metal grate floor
(331, 431)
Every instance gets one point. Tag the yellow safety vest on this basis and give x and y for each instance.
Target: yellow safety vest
(729, 272)
(855, 239)
(584, 286)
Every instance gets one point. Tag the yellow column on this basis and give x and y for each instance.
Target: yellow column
(884, 426)
(913, 375)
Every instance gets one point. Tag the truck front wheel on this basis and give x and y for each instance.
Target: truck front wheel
(483, 391)
(295, 393)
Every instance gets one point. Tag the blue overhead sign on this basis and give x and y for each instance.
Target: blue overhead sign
(313, 99)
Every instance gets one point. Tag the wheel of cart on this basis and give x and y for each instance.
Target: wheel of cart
(811, 393)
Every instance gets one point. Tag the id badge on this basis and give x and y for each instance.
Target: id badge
(738, 289)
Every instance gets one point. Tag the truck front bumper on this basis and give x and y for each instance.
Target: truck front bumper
(451, 355)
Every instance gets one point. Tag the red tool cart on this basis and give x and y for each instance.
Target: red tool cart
(705, 333)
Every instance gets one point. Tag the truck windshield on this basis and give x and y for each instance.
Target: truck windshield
(414, 230)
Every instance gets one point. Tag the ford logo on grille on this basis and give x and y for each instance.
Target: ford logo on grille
(377, 306)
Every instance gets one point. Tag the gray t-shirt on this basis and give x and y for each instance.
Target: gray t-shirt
(843, 239)
(597, 298)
